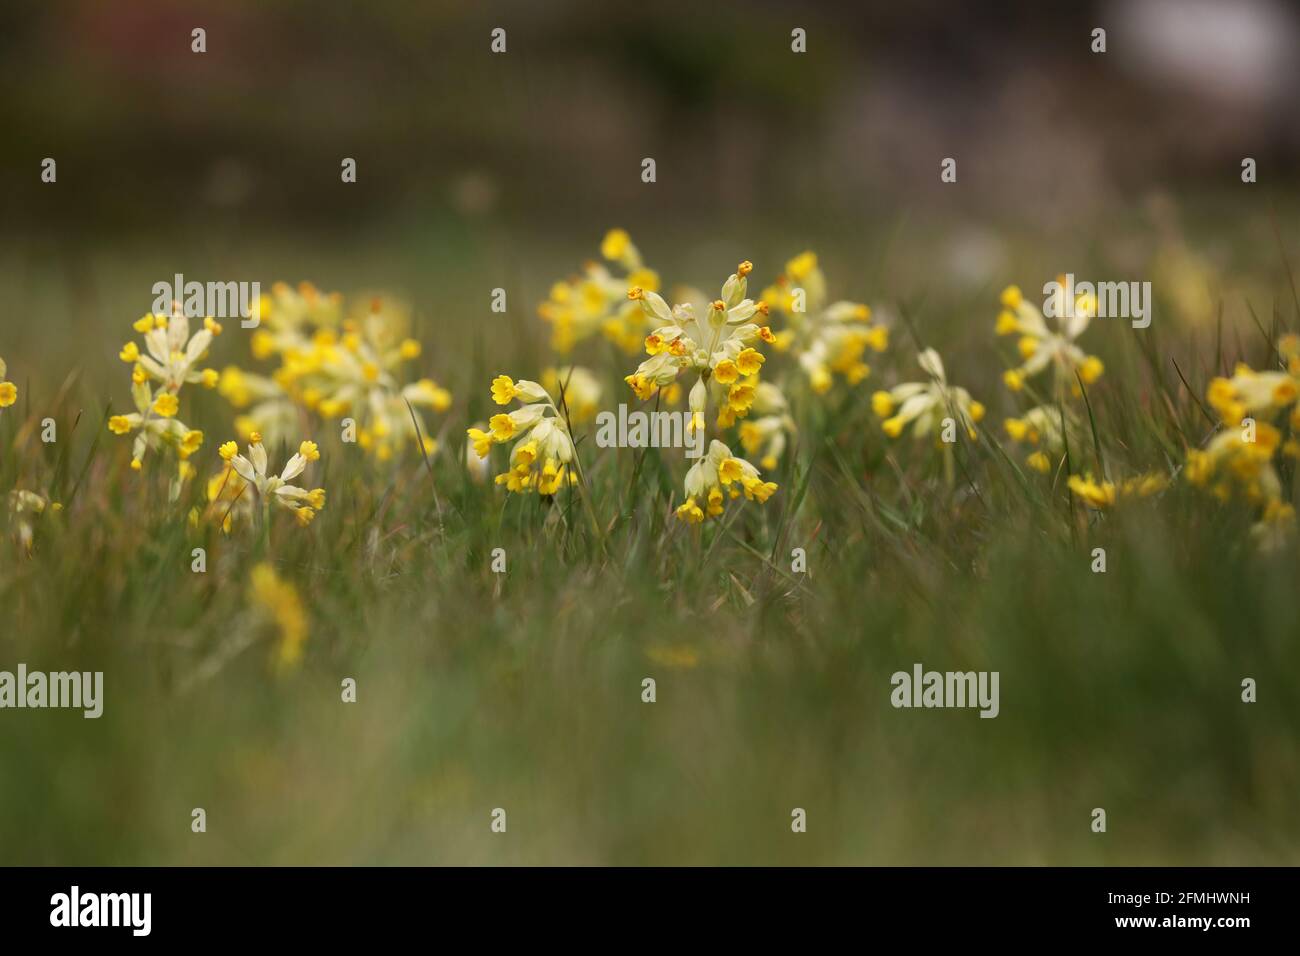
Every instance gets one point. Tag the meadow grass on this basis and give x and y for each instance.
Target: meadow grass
(522, 690)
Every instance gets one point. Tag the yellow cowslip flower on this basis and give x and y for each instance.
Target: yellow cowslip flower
(642, 387)
(1238, 464)
(1252, 394)
(690, 512)
(1039, 462)
(166, 405)
(828, 340)
(616, 244)
(190, 442)
(277, 600)
(749, 361)
(541, 459)
(157, 427)
(503, 427)
(1101, 494)
(480, 440)
(717, 476)
(1041, 346)
(925, 405)
(594, 303)
(275, 489)
(8, 391)
(1040, 428)
(505, 390)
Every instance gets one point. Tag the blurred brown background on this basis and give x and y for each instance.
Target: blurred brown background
(153, 139)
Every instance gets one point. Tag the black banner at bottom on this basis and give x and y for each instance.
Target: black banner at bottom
(336, 905)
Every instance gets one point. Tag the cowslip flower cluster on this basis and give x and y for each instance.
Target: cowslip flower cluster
(333, 368)
(276, 600)
(1041, 346)
(717, 345)
(540, 460)
(289, 316)
(170, 361)
(1238, 463)
(276, 490)
(925, 405)
(8, 390)
(716, 478)
(827, 340)
(594, 302)
(1254, 394)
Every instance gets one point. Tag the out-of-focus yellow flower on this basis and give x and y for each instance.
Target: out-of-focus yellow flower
(1040, 429)
(8, 394)
(1100, 494)
(673, 656)
(595, 302)
(1233, 465)
(1249, 393)
(336, 366)
(277, 600)
(763, 435)
(828, 340)
(576, 389)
